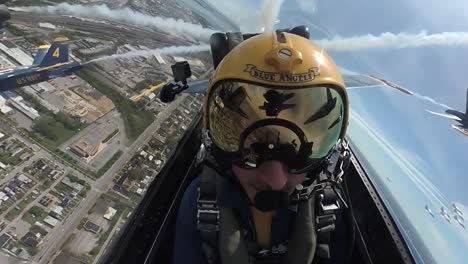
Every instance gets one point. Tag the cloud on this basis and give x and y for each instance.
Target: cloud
(269, 13)
(309, 6)
(391, 40)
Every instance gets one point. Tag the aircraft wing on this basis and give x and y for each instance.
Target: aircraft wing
(417, 164)
(198, 86)
(445, 115)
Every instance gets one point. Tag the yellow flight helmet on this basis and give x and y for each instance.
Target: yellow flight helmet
(276, 96)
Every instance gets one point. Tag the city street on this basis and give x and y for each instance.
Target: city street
(60, 234)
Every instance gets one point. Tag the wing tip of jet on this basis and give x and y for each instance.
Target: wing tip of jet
(61, 39)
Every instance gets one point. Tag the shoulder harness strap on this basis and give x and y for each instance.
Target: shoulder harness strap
(327, 204)
(208, 215)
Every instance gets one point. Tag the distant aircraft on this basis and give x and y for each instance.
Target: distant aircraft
(4, 14)
(51, 61)
(461, 117)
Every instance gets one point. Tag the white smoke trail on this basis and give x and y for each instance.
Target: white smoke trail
(269, 13)
(126, 15)
(173, 50)
(390, 40)
(429, 99)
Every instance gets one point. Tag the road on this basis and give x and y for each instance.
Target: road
(101, 186)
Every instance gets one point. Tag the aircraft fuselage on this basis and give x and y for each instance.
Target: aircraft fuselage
(14, 78)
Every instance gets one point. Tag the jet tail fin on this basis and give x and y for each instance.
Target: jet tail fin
(466, 107)
(57, 52)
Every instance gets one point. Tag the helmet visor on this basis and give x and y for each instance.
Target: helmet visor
(299, 126)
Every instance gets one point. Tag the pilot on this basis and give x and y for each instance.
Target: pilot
(275, 114)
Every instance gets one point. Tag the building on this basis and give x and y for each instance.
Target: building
(40, 165)
(5, 109)
(74, 185)
(35, 89)
(83, 149)
(140, 191)
(31, 239)
(15, 53)
(150, 96)
(47, 26)
(41, 228)
(160, 59)
(91, 227)
(51, 221)
(16, 101)
(4, 239)
(4, 197)
(45, 201)
(110, 213)
(56, 212)
(24, 179)
(25, 156)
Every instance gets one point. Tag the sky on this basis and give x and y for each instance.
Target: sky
(439, 72)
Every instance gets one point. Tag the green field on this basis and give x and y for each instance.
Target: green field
(34, 214)
(12, 214)
(6, 158)
(25, 201)
(135, 120)
(51, 133)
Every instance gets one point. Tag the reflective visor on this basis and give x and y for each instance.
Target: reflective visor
(296, 125)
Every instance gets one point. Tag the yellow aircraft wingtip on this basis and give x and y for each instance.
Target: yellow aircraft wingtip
(61, 39)
(44, 46)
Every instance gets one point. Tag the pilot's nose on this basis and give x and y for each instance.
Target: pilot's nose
(274, 174)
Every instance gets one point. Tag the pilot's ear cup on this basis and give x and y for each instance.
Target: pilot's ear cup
(219, 47)
(302, 31)
(234, 39)
(222, 43)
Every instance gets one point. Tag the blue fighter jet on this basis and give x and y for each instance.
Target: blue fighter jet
(51, 61)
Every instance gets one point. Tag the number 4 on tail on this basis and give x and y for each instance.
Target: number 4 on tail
(56, 53)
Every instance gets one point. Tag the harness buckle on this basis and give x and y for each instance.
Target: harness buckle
(207, 214)
(330, 208)
(208, 220)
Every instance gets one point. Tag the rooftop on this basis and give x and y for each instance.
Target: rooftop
(91, 227)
